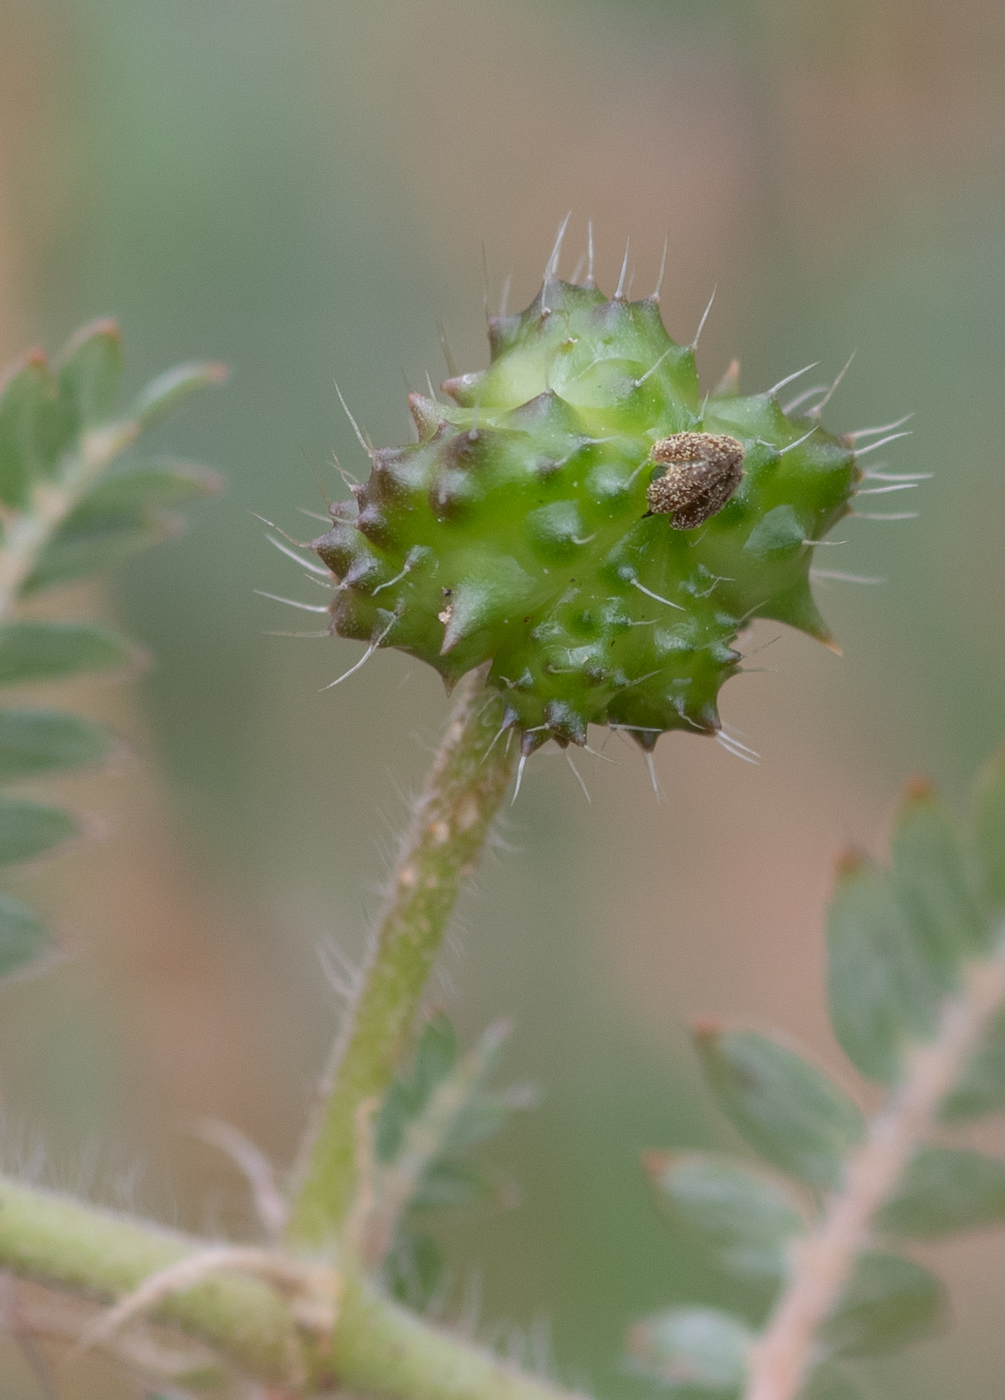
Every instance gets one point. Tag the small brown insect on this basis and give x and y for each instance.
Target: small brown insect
(702, 472)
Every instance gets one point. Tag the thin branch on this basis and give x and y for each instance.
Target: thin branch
(449, 827)
(782, 1358)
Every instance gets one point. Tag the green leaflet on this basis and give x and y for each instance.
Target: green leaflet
(746, 1218)
(171, 389)
(89, 372)
(29, 829)
(23, 937)
(934, 888)
(788, 1110)
(693, 1349)
(42, 741)
(889, 1302)
(44, 651)
(29, 435)
(883, 993)
(945, 1190)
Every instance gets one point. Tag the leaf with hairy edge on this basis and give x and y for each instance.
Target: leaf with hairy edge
(168, 390)
(697, 1349)
(788, 1110)
(29, 829)
(931, 878)
(946, 1189)
(981, 1086)
(42, 741)
(42, 651)
(89, 373)
(123, 516)
(882, 993)
(23, 937)
(989, 839)
(889, 1302)
(747, 1218)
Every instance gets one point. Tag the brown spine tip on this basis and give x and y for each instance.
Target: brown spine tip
(705, 1030)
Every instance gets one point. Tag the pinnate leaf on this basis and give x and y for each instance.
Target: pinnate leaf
(42, 651)
(883, 993)
(946, 1189)
(787, 1109)
(23, 937)
(41, 741)
(695, 1349)
(747, 1218)
(29, 829)
(889, 1302)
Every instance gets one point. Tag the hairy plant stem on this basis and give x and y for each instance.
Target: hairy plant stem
(451, 821)
(783, 1357)
(376, 1348)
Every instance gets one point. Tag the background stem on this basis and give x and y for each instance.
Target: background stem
(449, 827)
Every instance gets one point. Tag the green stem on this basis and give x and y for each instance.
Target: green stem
(450, 824)
(377, 1348)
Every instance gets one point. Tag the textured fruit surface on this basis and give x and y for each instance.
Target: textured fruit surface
(519, 528)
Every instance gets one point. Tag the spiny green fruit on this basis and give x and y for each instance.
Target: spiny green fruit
(585, 520)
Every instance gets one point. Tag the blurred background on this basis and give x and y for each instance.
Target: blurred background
(303, 190)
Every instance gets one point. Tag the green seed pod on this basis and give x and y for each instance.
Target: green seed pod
(584, 520)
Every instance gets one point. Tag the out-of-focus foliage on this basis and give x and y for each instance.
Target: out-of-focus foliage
(903, 943)
(65, 516)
